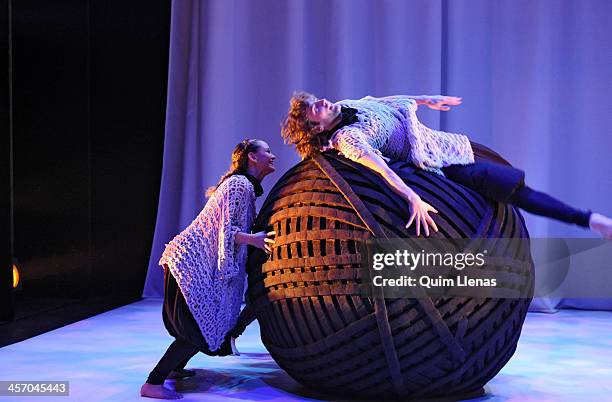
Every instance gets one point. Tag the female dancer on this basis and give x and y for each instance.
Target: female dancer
(371, 130)
(204, 269)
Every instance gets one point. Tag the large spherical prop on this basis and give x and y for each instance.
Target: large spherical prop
(321, 329)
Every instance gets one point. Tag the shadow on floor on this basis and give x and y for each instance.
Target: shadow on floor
(254, 382)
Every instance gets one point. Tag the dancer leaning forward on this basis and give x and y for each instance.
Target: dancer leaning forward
(204, 270)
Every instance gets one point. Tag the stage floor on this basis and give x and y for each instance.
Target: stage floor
(565, 356)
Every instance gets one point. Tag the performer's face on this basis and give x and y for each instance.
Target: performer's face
(262, 159)
(323, 112)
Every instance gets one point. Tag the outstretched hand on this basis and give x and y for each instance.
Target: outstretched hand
(440, 102)
(420, 216)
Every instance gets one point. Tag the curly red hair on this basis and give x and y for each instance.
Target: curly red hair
(296, 129)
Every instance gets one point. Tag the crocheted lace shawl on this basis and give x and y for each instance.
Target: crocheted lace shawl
(389, 126)
(208, 265)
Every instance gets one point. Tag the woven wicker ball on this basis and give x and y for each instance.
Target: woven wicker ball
(327, 335)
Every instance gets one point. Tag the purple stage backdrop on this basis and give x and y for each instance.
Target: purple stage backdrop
(535, 77)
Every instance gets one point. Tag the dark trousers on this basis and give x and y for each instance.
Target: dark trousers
(507, 184)
(180, 352)
(176, 357)
(247, 316)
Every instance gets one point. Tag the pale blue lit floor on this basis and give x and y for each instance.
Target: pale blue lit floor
(561, 357)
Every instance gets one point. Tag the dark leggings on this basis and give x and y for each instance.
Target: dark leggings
(543, 204)
(506, 184)
(176, 357)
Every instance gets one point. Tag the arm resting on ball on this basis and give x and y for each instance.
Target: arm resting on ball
(419, 208)
(377, 164)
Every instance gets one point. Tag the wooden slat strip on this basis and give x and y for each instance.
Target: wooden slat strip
(327, 260)
(324, 234)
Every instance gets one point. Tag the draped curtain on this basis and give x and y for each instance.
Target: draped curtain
(535, 77)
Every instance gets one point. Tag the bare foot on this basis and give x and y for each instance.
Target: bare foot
(601, 224)
(235, 351)
(182, 373)
(158, 391)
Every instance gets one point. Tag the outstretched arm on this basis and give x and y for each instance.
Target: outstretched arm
(419, 99)
(419, 209)
(436, 102)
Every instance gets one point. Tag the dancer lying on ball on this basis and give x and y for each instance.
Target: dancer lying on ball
(371, 130)
(207, 262)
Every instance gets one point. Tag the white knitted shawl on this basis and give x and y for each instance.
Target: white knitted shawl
(208, 265)
(389, 126)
